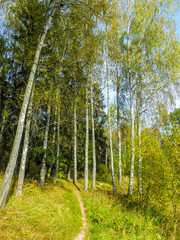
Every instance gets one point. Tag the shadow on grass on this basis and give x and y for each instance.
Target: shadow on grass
(12, 188)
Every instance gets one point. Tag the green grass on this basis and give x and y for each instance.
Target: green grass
(54, 212)
(110, 217)
(49, 213)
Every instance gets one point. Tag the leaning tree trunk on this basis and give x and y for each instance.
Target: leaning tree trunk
(43, 168)
(109, 121)
(58, 143)
(14, 153)
(87, 142)
(93, 138)
(25, 148)
(119, 134)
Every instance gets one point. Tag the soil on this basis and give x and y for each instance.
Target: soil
(83, 233)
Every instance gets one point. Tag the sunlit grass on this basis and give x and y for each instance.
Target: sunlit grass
(49, 213)
(110, 217)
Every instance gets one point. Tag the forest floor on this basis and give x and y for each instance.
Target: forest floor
(66, 212)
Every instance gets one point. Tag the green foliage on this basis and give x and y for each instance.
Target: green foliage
(102, 172)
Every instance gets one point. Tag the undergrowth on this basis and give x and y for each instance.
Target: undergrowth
(119, 217)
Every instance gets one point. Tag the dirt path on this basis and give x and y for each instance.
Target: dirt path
(82, 234)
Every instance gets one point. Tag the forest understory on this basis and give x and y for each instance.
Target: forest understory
(54, 212)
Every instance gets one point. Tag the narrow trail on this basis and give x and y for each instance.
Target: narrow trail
(82, 234)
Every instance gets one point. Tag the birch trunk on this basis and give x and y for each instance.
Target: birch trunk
(109, 120)
(15, 149)
(54, 139)
(25, 148)
(43, 168)
(138, 106)
(75, 140)
(93, 137)
(131, 179)
(87, 142)
(119, 134)
(58, 144)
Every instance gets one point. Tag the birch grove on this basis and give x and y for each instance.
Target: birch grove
(89, 87)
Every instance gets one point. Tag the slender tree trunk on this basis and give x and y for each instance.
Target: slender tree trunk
(131, 179)
(14, 153)
(93, 138)
(69, 174)
(54, 140)
(2, 128)
(119, 134)
(87, 142)
(25, 148)
(138, 106)
(109, 120)
(58, 143)
(43, 168)
(75, 139)
(106, 157)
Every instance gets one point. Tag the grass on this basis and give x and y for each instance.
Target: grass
(49, 213)
(114, 218)
(54, 213)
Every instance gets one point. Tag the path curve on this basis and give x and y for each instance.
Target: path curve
(82, 234)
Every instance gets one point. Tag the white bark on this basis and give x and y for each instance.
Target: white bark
(58, 143)
(87, 142)
(15, 149)
(119, 134)
(43, 168)
(25, 148)
(138, 102)
(93, 136)
(131, 179)
(109, 120)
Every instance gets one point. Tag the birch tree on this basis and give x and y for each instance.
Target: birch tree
(87, 141)
(109, 117)
(25, 148)
(119, 133)
(93, 135)
(5, 185)
(45, 144)
(58, 136)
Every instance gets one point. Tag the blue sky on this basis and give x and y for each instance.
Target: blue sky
(177, 17)
(178, 22)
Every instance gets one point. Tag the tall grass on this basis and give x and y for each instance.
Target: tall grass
(49, 213)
